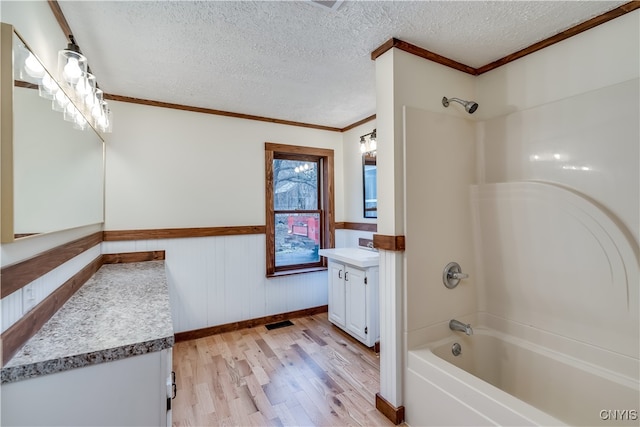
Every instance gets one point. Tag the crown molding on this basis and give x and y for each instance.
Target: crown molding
(431, 56)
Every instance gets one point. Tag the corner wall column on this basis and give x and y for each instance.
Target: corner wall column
(390, 241)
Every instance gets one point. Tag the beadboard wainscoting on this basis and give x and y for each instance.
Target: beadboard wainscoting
(221, 279)
(18, 303)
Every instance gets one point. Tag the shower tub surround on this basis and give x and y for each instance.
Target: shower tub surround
(521, 373)
(117, 329)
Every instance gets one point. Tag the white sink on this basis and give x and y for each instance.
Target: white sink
(355, 256)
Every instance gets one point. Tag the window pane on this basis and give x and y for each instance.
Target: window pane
(297, 238)
(295, 184)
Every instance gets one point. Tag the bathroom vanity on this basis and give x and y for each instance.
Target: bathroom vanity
(353, 292)
(103, 359)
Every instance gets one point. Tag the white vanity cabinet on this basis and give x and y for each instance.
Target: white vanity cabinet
(134, 391)
(353, 292)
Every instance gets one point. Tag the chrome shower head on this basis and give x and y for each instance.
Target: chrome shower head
(470, 106)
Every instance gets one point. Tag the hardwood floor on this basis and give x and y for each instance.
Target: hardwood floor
(308, 374)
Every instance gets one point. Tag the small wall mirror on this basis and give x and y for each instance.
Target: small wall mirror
(370, 185)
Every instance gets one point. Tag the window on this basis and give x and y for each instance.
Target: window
(299, 207)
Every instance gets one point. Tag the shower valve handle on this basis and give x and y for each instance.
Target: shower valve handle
(458, 276)
(452, 275)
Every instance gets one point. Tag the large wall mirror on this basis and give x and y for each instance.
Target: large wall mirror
(52, 173)
(370, 185)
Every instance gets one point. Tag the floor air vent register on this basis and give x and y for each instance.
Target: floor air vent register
(278, 325)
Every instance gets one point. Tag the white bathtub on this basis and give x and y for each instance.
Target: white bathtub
(503, 380)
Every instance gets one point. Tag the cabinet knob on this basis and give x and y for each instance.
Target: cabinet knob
(340, 274)
(346, 276)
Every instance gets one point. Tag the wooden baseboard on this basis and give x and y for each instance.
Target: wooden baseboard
(235, 326)
(395, 415)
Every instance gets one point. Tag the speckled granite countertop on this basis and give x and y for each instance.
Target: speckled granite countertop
(121, 311)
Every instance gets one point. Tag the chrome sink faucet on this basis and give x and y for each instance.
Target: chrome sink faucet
(456, 325)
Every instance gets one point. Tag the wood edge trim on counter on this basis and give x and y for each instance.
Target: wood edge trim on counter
(174, 233)
(243, 324)
(575, 30)
(127, 257)
(132, 100)
(15, 276)
(388, 243)
(395, 415)
(20, 332)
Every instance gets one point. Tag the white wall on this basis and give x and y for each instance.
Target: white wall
(170, 169)
(353, 208)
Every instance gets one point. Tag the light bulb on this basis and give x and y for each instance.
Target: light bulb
(83, 86)
(80, 122)
(96, 111)
(48, 87)
(60, 101)
(70, 112)
(86, 86)
(297, 169)
(49, 84)
(373, 145)
(363, 147)
(33, 67)
(103, 122)
(89, 100)
(72, 70)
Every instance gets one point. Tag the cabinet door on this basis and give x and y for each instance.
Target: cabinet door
(356, 315)
(336, 294)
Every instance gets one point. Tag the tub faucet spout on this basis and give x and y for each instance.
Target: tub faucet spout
(456, 325)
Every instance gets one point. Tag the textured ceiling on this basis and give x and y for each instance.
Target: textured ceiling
(292, 60)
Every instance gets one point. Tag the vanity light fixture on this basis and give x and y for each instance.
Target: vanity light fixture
(80, 85)
(368, 143)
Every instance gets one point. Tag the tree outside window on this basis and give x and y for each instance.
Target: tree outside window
(299, 207)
